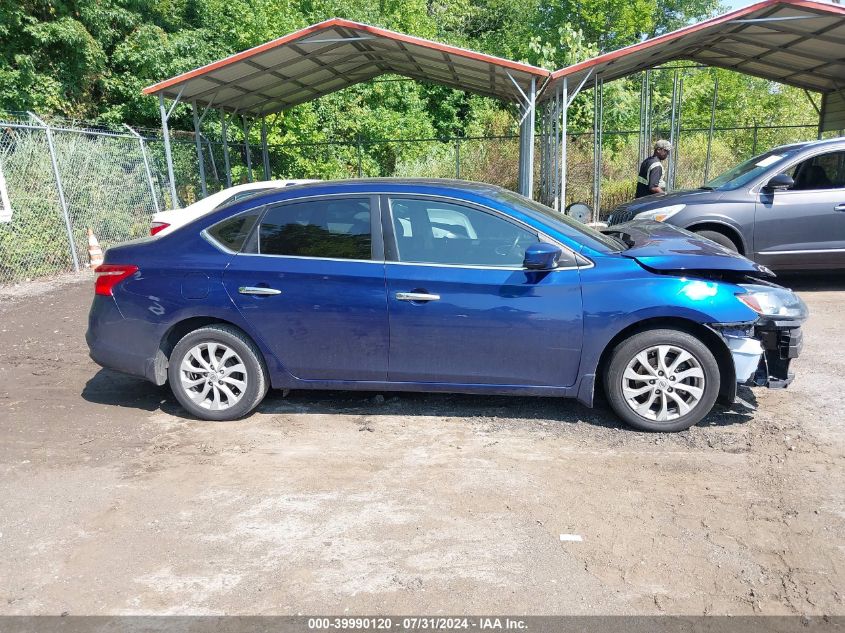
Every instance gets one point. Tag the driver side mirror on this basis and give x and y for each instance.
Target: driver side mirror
(781, 182)
(542, 256)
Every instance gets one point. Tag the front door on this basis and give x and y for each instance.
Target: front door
(804, 227)
(463, 310)
(313, 288)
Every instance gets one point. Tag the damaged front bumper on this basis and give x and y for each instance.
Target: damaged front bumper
(763, 350)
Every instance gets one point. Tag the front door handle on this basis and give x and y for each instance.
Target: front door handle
(416, 296)
(839, 207)
(259, 291)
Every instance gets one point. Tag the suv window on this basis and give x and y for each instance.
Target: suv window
(435, 232)
(337, 229)
(825, 171)
(232, 232)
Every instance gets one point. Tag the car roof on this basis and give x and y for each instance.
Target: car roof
(408, 185)
(838, 141)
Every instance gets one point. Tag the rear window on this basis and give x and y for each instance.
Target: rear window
(332, 228)
(232, 232)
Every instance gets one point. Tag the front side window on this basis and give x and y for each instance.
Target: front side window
(435, 232)
(336, 229)
(825, 171)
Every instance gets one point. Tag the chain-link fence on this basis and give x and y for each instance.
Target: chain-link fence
(64, 178)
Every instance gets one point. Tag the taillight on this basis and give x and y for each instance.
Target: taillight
(158, 227)
(109, 275)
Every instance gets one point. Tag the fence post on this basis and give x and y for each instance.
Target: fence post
(754, 142)
(360, 158)
(226, 164)
(710, 131)
(59, 189)
(146, 166)
(198, 143)
(458, 158)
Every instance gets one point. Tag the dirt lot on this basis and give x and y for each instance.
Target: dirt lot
(335, 502)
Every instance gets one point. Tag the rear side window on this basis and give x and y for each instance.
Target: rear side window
(336, 229)
(232, 232)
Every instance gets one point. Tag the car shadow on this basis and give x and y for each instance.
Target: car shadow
(115, 389)
(122, 390)
(821, 281)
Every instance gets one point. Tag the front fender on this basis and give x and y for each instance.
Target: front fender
(621, 294)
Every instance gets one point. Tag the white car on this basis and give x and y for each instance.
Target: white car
(165, 222)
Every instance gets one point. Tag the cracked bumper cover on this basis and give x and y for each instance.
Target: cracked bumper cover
(762, 351)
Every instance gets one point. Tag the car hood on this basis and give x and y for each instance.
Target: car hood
(685, 196)
(665, 247)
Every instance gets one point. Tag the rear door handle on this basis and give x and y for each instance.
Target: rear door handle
(258, 290)
(839, 207)
(416, 296)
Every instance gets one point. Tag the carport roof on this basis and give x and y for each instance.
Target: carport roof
(333, 55)
(796, 42)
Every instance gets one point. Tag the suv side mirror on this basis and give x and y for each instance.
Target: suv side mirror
(781, 182)
(542, 256)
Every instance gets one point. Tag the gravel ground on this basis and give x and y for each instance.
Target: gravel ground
(353, 503)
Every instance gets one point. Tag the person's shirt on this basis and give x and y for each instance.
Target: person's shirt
(651, 175)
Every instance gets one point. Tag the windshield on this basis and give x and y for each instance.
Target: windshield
(571, 227)
(745, 172)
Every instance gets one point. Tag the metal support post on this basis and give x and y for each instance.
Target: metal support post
(648, 134)
(198, 143)
(226, 164)
(146, 166)
(265, 155)
(676, 144)
(360, 149)
(710, 131)
(564, 123)
(247, 149)
(62, 201)
(168, 157)
(526, 146)
(672, 129)
(598, 115)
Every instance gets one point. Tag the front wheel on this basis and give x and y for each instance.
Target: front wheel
(662, 380)
(719, 238)
(216, 373)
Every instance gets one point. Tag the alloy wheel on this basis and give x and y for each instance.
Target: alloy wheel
(213, 376)
(663, 383)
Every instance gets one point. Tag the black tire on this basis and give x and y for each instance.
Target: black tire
(719, 238)
(255, 374)
(625, 353)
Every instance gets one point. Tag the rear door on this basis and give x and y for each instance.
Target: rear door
(311, 283)
(804, 227)
(462, 308)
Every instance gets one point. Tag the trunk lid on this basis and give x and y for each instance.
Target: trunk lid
(664, 247)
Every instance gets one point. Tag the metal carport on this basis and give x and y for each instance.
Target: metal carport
(795, 42)
(333, 55)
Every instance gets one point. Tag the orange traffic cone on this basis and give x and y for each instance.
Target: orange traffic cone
(95, 253)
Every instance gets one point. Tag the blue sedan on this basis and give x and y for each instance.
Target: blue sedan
(435, 285)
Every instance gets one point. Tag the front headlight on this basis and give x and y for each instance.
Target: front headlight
(662, 214)
(773, 301)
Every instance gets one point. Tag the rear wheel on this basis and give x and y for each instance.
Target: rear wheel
(216, 373)
(662, 380)
(719, 238)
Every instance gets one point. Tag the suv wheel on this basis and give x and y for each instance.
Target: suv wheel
(662, 380)
(719, 238)
(216, 373)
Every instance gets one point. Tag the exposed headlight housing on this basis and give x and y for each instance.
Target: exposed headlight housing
(773, 301)
(661, 214)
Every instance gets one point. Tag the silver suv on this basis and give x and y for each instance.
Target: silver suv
(784, 209)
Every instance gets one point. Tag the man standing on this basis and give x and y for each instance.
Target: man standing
(650, 179)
